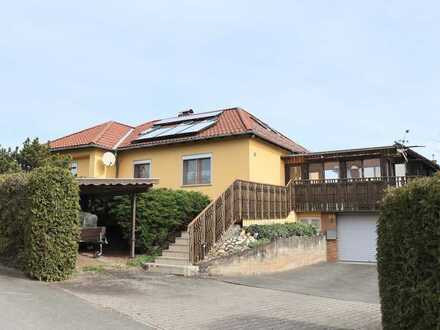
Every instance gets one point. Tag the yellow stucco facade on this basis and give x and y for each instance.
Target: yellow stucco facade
(229, 161)
(89, 163)
(265, 165)
(233, 158)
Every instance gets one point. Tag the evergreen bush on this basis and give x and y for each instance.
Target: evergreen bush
(272, 232)
(39, 222)
(14, 214)
(161, 214)
(408, 256)
(51, 237)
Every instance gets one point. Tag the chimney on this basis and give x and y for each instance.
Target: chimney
(186, 113)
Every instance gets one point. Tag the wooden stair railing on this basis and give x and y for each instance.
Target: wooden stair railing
(244, 200)
(240, 201)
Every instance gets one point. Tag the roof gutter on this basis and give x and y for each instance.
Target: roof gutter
(197, 139)
(83, 146)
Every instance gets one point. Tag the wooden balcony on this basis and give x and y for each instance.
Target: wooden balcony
(342, 195)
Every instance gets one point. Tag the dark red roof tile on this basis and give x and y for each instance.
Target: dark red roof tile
(106, 136)
(230, 122)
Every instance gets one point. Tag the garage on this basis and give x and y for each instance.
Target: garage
(357, 237)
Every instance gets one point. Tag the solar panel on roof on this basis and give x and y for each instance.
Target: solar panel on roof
(154, 132)
(197, 127)
(189, 118)
(178, 129)
(187, 127)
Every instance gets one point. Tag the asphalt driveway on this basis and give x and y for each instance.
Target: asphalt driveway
(27, 304)
(341, 281)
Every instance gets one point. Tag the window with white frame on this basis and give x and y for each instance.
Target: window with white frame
(372, 168)
(74, 168)
(197, 169)
(315, 222)
(142, 169)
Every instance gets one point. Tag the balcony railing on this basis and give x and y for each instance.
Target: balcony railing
(342, 195)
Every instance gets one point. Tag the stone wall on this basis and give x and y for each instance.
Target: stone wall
(280, 255)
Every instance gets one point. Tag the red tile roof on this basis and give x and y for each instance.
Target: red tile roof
(106, 136)
(231, 122)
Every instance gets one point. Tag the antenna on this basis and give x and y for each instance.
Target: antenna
(109, 159)
(404, 141)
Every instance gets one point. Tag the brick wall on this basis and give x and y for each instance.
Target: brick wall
(332, 250)
(328, 222)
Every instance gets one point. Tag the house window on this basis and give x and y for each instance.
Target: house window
(331, 170)
(315, 171)
(354, 169)
(74, 168)
(315, 222)
(197, 169)
(372, 168)
(400, 169)
(142, 169)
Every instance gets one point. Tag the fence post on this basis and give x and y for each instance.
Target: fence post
(223, 212)
(256, 200)
(269, 209)
(214, 223)
(232, 203)
(248, 202)
(240, 201)
(203, 235)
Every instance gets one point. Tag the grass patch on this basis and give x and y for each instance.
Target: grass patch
(93, 269)
(139, 261)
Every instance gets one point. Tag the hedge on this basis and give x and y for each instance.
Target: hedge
(161, 215)
(39, 222)
(51, 237)
(14, 214)
(408, 256)
(272, 232)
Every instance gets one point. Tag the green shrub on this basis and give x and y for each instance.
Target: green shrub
(272, 232)
(140, 260)
(8, 161)
(14, 214)
(52, 233)
(161, 214)
(409, 256)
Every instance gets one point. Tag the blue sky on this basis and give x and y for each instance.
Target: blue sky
(329, 74)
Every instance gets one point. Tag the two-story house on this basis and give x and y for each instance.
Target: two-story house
(337, 191)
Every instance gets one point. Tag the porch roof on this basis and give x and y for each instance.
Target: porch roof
(388, 151)
(94, 186)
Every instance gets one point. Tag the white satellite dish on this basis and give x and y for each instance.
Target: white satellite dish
(109, 159)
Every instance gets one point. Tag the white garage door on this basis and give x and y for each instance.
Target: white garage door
(357, 237)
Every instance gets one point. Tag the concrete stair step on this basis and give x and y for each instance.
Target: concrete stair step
(179, 248)
(181, 241)
(186, 270)
(171, 261)
(185, 235)
(175, 254)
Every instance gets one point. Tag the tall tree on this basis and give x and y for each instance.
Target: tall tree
(34, 154)
(8, 162)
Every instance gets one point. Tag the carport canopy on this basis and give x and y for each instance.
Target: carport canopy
(118, 187)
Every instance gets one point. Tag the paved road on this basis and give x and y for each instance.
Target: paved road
(26, 304)
(170, 302)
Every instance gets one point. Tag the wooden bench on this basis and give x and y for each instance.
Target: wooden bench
(95, 236)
